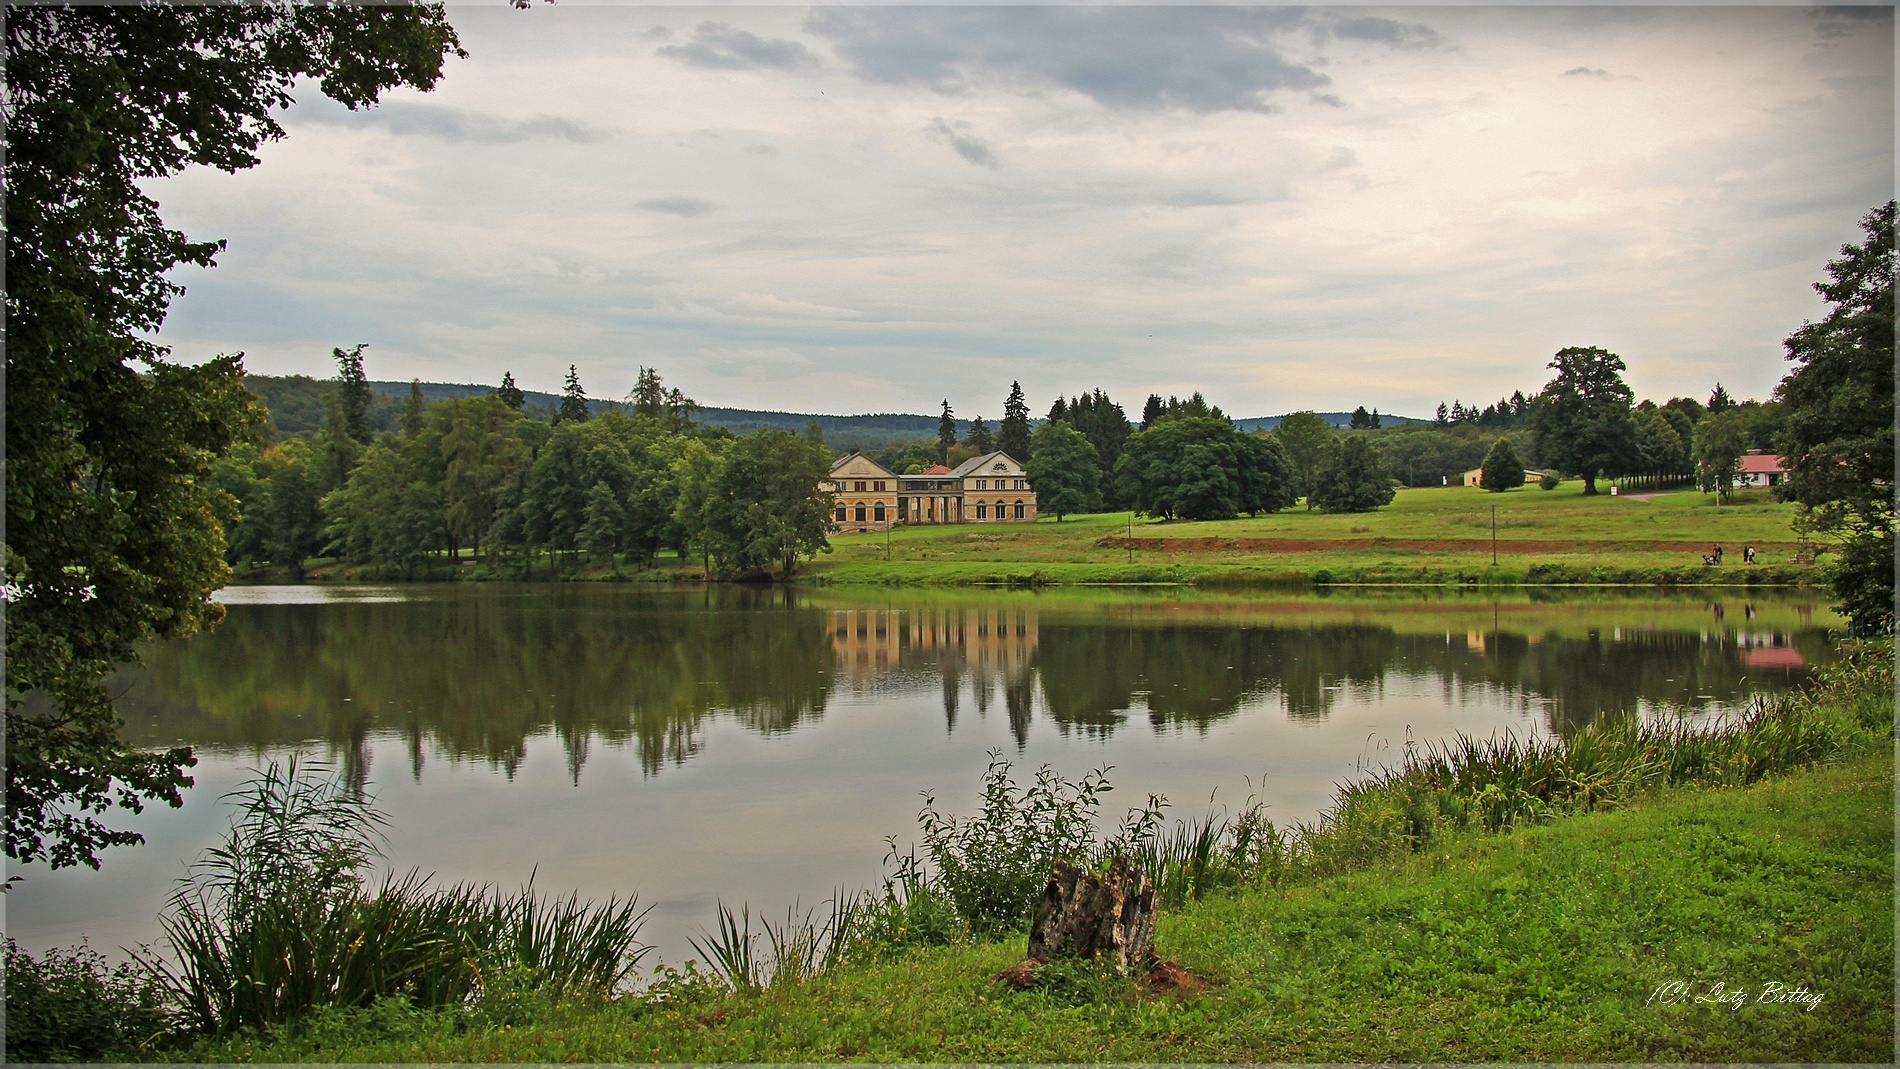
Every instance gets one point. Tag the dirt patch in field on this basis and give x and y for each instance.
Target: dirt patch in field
(1428, 545)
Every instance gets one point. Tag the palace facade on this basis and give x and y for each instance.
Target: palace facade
(991, 488)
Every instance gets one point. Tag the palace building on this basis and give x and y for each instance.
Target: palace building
(991, 488)
(864, 494)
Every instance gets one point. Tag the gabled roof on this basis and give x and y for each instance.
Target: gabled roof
(1753, 463)
(970, 466)
(857, 455)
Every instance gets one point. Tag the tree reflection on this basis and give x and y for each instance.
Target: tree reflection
(476, 673)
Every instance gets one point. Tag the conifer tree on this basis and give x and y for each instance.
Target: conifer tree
(1013, 436)
(353, 392)
(1151, 411)
(509, 393)
(1502, 469)
(573, 399)
(946, 433)
(979, 437)
(412, 412)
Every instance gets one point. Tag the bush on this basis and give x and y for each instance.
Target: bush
(1550, 481)
(991, 867)
(71, 1006)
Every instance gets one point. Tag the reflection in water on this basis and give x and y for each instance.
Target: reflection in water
(472, 674)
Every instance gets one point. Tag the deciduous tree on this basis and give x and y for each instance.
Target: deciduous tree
(112, 533)
(1582, 418)
(1063, 470)
(1352, 479)
(1720, 441)
(1837, 404)
(764, 510)
(1306, 438)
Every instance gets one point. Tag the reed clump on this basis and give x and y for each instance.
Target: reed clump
(283, 919)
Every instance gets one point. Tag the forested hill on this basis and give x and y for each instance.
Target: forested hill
(296, 407)
(1333, 419)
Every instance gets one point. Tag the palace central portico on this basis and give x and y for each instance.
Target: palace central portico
(991, 488)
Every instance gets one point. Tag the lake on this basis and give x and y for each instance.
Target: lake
(759, 745)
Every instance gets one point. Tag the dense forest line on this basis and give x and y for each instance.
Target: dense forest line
(399, 482)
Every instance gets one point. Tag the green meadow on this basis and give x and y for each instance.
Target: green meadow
(1426, 536)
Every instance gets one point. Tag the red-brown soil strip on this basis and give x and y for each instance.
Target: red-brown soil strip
(1430, 545)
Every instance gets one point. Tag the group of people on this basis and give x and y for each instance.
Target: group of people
(1714, 555)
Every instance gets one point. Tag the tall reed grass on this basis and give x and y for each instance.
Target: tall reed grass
(1503, 781)
(282, 919)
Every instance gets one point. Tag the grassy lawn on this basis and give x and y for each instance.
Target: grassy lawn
(1429, 536)
(1425, 535)
(1543, 944)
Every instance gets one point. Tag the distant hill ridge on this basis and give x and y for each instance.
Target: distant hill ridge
(296, 406)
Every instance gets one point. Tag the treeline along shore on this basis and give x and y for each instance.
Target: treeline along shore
(344, 481)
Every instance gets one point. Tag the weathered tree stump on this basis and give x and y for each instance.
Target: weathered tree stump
(1091, 917)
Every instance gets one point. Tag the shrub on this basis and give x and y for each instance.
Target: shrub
(992, 866)
(1549, 481)
(72, 1006)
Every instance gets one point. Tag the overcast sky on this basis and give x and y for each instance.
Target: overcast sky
(869, 209)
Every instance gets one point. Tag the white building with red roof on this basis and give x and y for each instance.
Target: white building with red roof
(1758, 467)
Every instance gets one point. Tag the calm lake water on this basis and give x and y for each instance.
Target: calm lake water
(758, 745)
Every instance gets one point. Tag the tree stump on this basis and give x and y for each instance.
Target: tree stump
(1085, 916)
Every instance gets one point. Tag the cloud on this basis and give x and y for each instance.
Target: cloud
(1586, 72)
(450, 124)
(973, 149)
(1204, 60)
(722, 47)
(1846, 20)
(1387, 32)
(677, 206)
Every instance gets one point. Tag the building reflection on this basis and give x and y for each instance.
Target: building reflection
(476, 675)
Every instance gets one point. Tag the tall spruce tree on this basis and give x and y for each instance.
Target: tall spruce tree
(353, 391)
(1012, 436)
(979, 437)
(412, 410)
(509, 393)
(573, 399)
(946, 433)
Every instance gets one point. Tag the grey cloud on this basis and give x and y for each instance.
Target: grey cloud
(762, 150)
(1386, 31)
(1586, 72)
(722, 47)
(1842, 21)
(973, 149)
(1211, 59)
(452, 124)
(677, 206)
(1341, 159)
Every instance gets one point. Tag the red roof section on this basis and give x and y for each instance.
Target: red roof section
(937, 469)
(1760, 464)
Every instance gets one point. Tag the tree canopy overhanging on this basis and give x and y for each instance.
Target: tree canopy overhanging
(113, 529)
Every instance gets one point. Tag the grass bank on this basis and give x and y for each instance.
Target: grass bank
(1546, 944)
(1426, 537)
(1632, 893)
